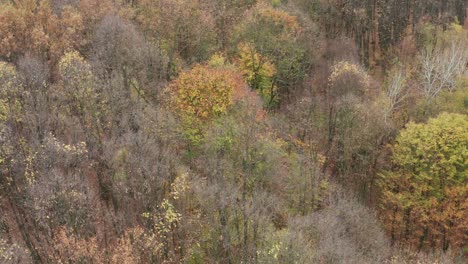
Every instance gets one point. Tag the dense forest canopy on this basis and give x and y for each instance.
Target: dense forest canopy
(233, 131)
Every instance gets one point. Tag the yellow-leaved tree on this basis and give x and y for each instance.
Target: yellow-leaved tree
(425, 197)
(205, 93)
(10, 92)
(259, 73)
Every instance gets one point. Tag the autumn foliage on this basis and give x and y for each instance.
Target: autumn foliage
(425, 196)
(233, 131)
(31, 26)
(205, 93)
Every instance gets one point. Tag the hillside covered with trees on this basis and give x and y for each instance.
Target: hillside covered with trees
(233, 131)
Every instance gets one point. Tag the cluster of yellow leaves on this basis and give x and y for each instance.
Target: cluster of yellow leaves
(167, 219)
(29, 171)
(10, 89)
(203, 94)
(9, 253)
(430, 183)
(77, 79)
(180, 185)
(68, 59)
(170, 218)
(345, 68)
(76, 149)
(258, 71)
(7, 74)
(274, 250)
(75, 70)
(164, 223)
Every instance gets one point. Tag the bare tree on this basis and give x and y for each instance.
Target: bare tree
(395, 91)
(441, 66)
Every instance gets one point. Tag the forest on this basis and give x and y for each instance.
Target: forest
(234, 131)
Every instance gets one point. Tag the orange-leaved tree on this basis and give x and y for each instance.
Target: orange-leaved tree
(30, 26)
